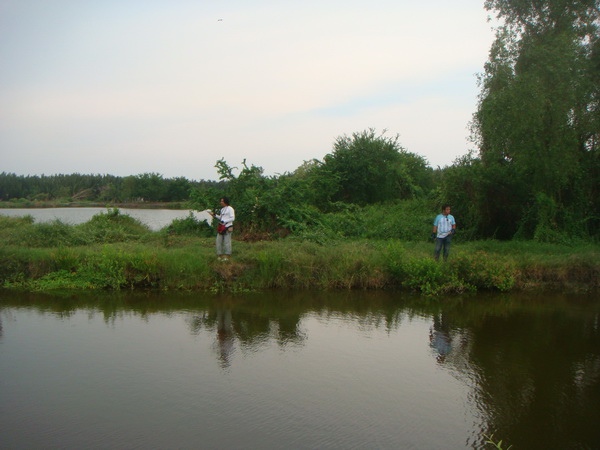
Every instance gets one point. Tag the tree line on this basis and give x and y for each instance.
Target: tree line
(147, 187)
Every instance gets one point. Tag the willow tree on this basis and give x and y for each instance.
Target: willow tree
(538, 119)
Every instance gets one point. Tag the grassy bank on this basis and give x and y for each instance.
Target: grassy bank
(114, 251)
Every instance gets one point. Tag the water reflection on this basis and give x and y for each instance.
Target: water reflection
(249, 328)
(532, 364)
(439, 338)
(529, 366)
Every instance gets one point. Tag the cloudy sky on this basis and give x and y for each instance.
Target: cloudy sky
(133, 86)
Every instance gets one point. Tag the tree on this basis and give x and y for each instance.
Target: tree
(538, 119)
(373, 169)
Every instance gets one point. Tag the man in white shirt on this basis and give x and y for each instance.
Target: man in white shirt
(226, 217)
(444, 226)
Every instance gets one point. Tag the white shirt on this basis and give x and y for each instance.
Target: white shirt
(227, 216)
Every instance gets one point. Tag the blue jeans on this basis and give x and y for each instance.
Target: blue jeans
(442, 243)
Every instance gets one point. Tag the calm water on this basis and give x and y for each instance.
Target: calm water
(154, 218)
(300, 371)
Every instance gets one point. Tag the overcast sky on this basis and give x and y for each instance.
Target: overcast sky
(127, 87)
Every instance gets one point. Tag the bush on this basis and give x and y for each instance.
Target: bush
(482, 271)
(51, 234)
(429, 277)
(113, 227)
(189, 226)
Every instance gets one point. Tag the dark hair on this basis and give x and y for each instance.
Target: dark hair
(443, 206)
(225, 200)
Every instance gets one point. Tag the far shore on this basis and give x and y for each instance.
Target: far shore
(25, 204)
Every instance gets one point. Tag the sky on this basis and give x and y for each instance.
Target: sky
(146, 86)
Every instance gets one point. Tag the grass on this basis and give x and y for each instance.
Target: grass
(114, 251)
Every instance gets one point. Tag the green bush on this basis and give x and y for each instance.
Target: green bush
(482, 271)
(50, 234)
(429, 277)
(189, 226)
(113, 226)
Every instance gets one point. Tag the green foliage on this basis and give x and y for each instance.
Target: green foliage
(538, 122)
(428, 277)
(394, 256)
(372, 169)
(189, 226)
(190, 263)
(113, 227)
(151, 187)
(188, 267)
(262, 204)
(484, 272)
(111, 269)
(51, 234)
(102, 228)
(494, 444)
(13, 223)
(407, 220)
(363, 169)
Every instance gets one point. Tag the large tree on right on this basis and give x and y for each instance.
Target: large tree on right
(538, 120)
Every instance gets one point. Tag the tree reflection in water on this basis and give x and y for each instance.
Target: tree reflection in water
(248, 327)
(531, 364)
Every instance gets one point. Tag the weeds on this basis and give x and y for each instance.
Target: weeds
(113, 251)
(496, 445)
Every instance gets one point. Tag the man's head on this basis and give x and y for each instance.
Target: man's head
(224, 201)
(446, 209)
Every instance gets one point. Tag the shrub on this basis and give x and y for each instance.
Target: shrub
(189, 226)
(113, 227)
(50, 234)
(429, 277)
(484, 272)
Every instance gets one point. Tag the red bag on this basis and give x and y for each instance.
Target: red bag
(221, 228)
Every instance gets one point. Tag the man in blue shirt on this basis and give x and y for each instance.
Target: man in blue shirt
(444, 226)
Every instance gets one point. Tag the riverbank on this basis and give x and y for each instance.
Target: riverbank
(170, 262)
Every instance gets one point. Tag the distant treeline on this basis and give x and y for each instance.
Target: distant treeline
(147, 187)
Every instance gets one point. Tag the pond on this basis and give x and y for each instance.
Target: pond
(155, 219)
(298, 370)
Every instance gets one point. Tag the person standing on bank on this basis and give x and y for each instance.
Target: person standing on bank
(226, 217)
(444, 227)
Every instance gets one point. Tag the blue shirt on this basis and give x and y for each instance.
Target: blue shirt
(444, 224)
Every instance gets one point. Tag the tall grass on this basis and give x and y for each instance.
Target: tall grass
(113, 251)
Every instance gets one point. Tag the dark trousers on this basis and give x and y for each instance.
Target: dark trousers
(442, 243)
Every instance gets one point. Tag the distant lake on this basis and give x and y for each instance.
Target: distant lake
(154, 218)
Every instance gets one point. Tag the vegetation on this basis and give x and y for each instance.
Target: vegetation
(534, 180)
(363, 170)
(494, 444)
(114, 251)
(537, 126)
(24, 191)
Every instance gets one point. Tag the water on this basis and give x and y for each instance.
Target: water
(155, 219)
(298, 370)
